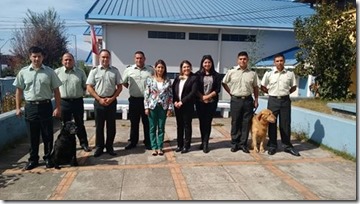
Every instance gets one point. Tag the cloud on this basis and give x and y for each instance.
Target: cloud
(71, 11)
(16, 8)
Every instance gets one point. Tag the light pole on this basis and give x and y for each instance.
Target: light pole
(75, 48)
(1, 55)
(5, 43)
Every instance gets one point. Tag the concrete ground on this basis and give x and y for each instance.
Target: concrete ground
(219, 175)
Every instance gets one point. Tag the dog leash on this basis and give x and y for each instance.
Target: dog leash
(254, 110)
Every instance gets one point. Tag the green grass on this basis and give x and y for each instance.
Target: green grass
(313, 104)
(318, 105)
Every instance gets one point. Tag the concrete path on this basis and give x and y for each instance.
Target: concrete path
(219, 175)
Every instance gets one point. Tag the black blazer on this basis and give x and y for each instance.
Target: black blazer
(216, 83)
(188, 95)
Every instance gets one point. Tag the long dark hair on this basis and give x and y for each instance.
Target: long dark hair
(160, 61)
(202, 69)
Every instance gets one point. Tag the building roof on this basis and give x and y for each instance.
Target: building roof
(97, 29)
(290, 59)
(88, 60)
(255, 14)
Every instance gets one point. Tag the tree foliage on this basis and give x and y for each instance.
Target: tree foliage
(328, 50)
(45, 30)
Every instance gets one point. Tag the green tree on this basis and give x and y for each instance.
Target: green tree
(328, 50)
(45, 30)
(81, 65)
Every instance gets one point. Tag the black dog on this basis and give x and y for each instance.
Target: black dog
(65, 146)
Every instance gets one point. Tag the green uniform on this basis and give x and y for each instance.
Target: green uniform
(241, 82)
(136, 78)
(104, 80)
(37, 85)
(73, 82)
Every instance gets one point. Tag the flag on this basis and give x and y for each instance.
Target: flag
(94, 47)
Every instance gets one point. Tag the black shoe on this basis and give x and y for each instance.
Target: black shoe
(205, 147)
(148, 147)
(111, 152)
(292, 151)
(201, 146)
(30, 165)
(271, 151)
(98, 152)
(234, 149)
(178, 149)
(86, 148)
(49, 163)
(185, 150)
(245, 149)
(130, 146)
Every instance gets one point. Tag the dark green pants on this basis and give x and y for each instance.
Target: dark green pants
(157, 118)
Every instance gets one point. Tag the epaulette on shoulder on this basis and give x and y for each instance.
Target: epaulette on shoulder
(128, 66)
(94, 68)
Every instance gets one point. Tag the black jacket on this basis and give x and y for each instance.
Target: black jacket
(188, 95)
(216, 83)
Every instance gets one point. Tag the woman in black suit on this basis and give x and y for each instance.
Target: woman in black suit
(184, 96)
(209, 87)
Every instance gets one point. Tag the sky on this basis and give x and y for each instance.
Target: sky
(71, 11)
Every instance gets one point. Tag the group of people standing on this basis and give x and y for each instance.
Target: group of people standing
(153, 98)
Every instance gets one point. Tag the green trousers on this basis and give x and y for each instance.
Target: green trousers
(157, 118)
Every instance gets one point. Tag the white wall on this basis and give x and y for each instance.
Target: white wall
(124, 40)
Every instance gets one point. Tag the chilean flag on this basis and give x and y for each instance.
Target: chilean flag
(94, 47)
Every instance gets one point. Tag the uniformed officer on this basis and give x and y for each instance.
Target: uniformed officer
(72, 91)
(241, 83)
(279, 84)
(37, 83)
(134, 79)
(104, 84)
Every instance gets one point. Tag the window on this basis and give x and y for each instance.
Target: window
(238, 38)
(166, 35)
(172, 75)
(203, 36)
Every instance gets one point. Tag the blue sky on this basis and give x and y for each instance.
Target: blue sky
(71, 11)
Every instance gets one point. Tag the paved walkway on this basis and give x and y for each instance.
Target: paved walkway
(219, 175)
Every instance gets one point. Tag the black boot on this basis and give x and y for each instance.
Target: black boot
(206, 147)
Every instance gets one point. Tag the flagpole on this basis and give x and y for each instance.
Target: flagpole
(94, 47)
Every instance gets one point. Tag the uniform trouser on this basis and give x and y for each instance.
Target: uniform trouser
(282, 108)
(38, 119)
(205, 112)
(105, 114)
(157, 118)
(184, 127)
(241, 111)
(137, 110)
(75, 109)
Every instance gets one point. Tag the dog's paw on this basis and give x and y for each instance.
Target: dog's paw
(262, 150)
(256, 149)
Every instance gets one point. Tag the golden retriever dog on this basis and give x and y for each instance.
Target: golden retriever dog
(259, 128)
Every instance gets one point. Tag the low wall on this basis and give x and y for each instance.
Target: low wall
(333, 131)
(12, 128)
